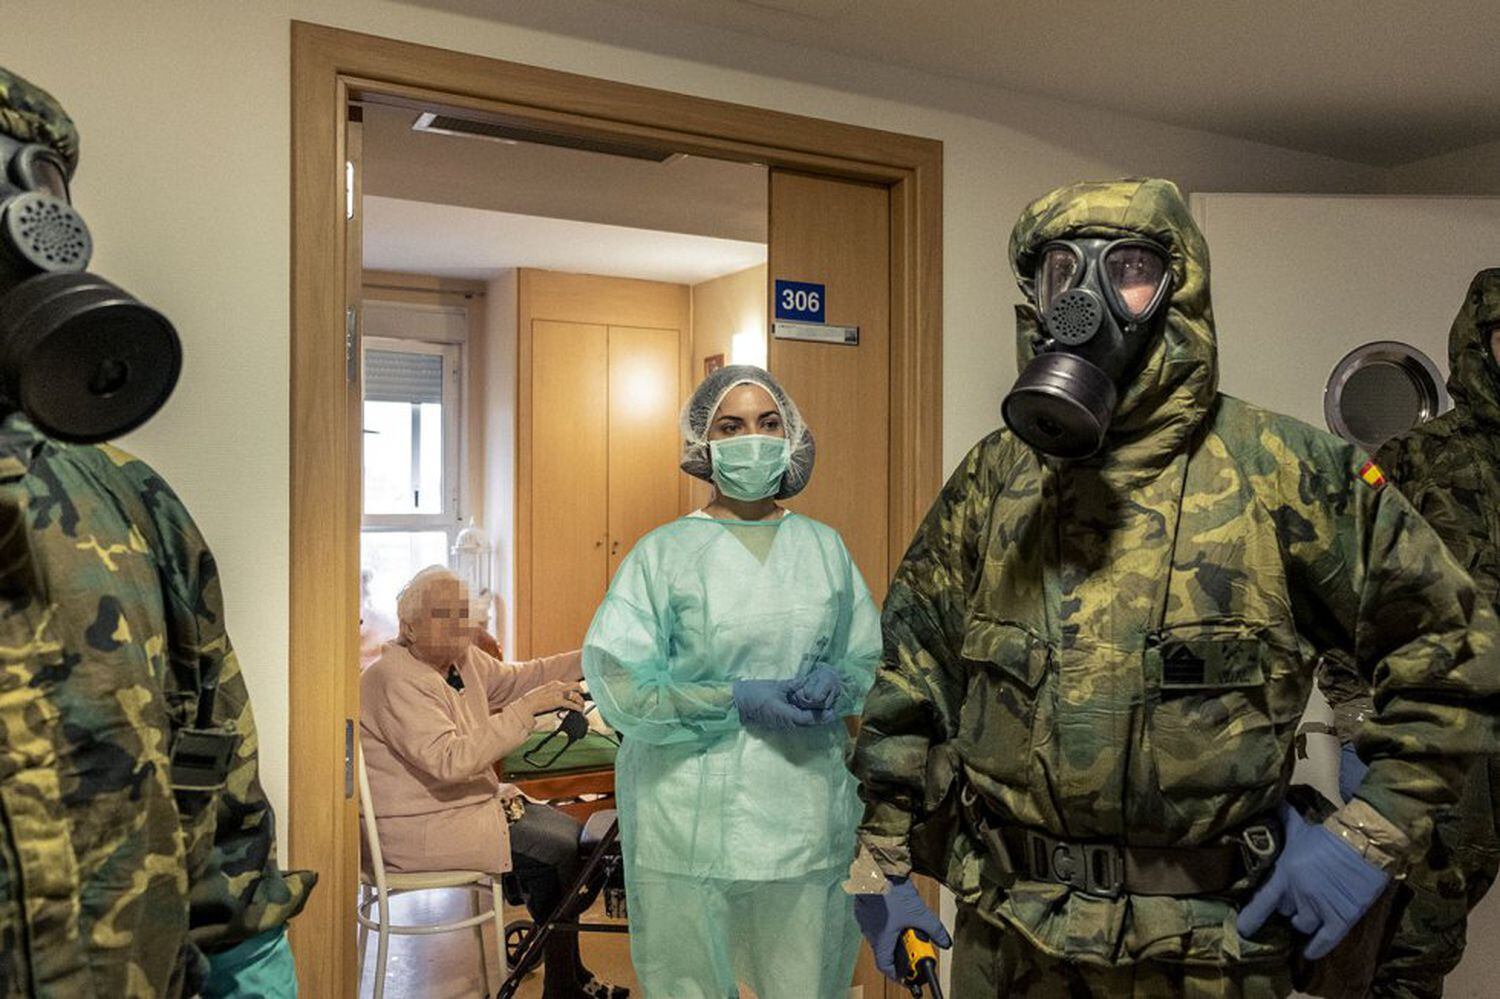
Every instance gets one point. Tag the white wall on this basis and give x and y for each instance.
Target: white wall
(184, 112)
(1301, 280)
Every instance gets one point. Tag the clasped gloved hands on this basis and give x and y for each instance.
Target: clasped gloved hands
(1319, 882)
(883, 918)
(801, 702)
(767, 704)
(818, 690)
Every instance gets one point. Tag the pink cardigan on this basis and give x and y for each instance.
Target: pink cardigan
(429, 750)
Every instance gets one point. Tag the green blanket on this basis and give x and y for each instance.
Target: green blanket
(592, 752)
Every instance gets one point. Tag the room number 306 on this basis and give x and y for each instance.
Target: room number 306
(800, 300)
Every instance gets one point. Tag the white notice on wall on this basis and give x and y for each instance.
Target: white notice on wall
(816, 332)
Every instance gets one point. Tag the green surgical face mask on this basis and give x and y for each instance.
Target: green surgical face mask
(749, 467)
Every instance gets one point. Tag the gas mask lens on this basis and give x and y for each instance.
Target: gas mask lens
(1137, 274)
(1055, 274)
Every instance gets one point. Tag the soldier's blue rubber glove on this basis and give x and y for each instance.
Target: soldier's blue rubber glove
(1352, 771)
(765, 704)
(883, 918)
(258, 968)
(819, 690)
(1319, 882)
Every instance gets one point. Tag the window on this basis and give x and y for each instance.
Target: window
(413, 432)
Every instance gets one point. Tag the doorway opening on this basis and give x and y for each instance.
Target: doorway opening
(532, 317)
(854, 210)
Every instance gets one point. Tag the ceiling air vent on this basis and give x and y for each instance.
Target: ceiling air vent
(511, 132)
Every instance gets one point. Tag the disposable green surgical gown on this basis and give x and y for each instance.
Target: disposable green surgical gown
(735, 838)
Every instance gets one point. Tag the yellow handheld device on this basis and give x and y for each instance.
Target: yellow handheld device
(917, 960)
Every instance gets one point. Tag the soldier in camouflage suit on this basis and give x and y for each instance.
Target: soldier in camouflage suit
(1109, 658)
(1449, 468)
(126, 867)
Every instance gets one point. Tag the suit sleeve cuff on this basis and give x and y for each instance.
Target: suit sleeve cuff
(1374, 837)
(891, 853)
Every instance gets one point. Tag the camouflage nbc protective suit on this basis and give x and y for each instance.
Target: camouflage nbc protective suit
(1119, 651)
(112, 644)
(1449, 468)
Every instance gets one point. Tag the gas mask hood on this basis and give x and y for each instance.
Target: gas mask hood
(1101, 303)
(81, 357)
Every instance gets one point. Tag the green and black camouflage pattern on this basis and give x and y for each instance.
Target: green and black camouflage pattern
(1449, 468)
(30, 114)
(1121, 649)
(111, 623)
(1001, 964)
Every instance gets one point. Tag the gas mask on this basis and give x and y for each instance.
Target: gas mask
(1101, 305)
(81, 357)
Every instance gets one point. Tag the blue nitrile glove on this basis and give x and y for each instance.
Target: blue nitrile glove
(883, 918)
(1352, 771)
(258, 968)
(1319, 882)
(818, 690)
(765, 704)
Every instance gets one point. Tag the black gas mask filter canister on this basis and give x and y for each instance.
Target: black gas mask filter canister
(1101, 303)
(82, 358)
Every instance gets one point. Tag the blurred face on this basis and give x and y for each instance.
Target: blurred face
(1495, 343)
(440, 632)
(747, 409)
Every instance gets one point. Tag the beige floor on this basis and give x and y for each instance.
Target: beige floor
(447, 966)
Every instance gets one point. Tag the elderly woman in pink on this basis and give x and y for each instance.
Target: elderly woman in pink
(436, 714)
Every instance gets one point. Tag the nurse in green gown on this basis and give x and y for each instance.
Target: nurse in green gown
(732, 645)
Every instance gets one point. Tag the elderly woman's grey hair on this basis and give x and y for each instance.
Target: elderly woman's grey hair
(412, 599)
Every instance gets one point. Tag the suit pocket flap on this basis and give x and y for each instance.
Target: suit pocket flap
(1012, 648)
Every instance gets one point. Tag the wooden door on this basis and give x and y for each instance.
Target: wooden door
(644, 486)
(569, 481)
(837, 233)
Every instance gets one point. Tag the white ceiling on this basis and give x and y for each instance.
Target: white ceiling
(1380, 82)
(461, 242)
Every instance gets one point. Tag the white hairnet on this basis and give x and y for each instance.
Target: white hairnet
(699, 412)
(411, 601)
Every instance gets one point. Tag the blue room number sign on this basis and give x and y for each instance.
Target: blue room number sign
(799, 300)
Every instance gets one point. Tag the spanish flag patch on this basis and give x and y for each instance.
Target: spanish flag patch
(1372, 475)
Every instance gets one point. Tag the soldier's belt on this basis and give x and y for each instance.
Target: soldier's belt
(1112, 869)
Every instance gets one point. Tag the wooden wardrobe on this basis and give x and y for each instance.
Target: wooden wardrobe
(602, 373)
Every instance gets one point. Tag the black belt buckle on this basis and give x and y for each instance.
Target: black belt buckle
(1258, 847)
(1104, 869)
(1095, 868)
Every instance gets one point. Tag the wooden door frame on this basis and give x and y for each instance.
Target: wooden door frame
(332, 66)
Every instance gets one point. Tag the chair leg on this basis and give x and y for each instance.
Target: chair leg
(497, 899)
(364, 931)
(475, 909)
(382, 945)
